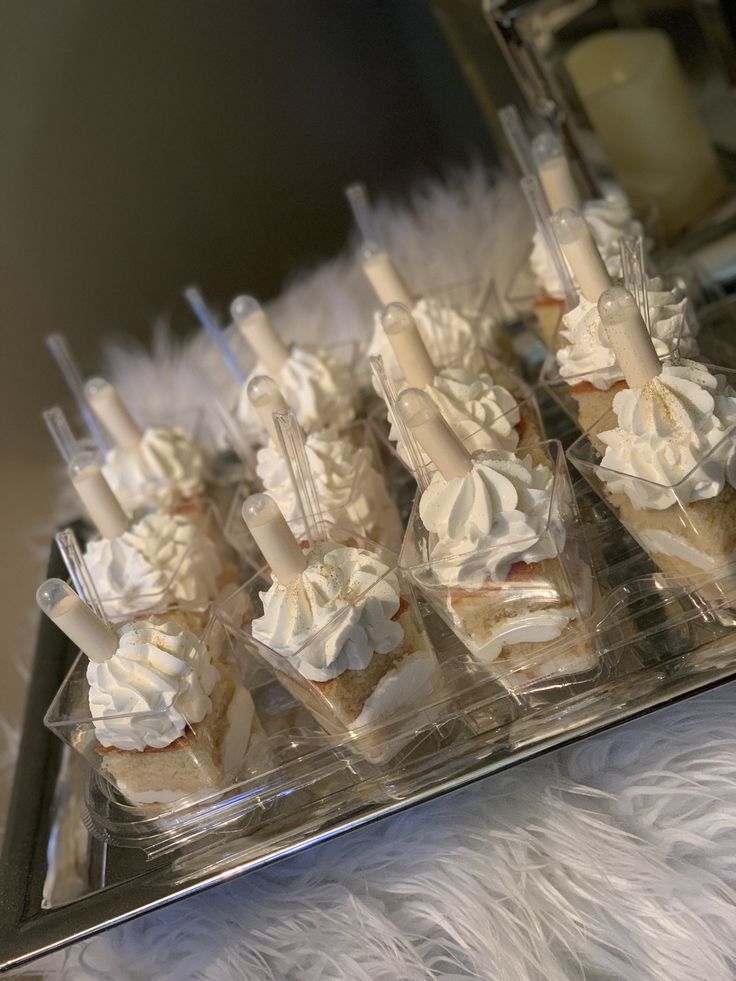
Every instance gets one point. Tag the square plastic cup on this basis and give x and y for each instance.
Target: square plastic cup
(529, 625)
(692, 540)
(207, 752)
(578, 396)
(378, 708)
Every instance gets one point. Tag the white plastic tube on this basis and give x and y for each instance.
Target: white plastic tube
(260, 333)
(579, 248)
(433, 434)
(62, 605)
(274, 538)
(97, 496)
(629, 337)
(384, 277)
(266, 398)
(554, 172)
(410, 350)
(113, 413)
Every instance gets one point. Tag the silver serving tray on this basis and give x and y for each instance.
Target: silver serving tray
(60, 884)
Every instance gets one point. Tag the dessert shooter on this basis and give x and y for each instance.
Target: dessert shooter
(586, 358)
(340, 630)
(162, 720)
(449, 336)
(492, 544)
(669, 463)
(158, 561)
(155, 467)
(483, 415)
(348, 489)
(609, 219)
(314, 383)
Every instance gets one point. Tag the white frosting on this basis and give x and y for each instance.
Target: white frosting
(165, 468)
(539, 627)
(163, 673)
(664, 431)
(316, 385)
(349, 488)
(497, 514)
(657, 541)
(335, 581)
(448, 336)
(484, 415)
(159, 561)
(610, 220)
(587, 354)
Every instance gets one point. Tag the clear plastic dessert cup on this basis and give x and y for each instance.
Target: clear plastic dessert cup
(530, 624)
(157, 769)
(378, 705)
(188, 577)
(525, 418)
(689, 539)
(466, 318)
(583, 401)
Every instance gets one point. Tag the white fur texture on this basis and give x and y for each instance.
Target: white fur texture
(614, 860)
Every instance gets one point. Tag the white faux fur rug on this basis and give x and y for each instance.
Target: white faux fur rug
(614, 860)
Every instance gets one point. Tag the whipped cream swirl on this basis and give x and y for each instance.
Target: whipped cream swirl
(447, 335)
(165, 468)
(498, 514)
(316, 385)
(160, 561)
(160, 670)
(341, 580)
(610, 220)
(665, 430)
(484, 415)
(586, 354)
(347, 485)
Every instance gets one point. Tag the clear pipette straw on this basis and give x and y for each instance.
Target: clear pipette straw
(518, 140)
(357, 197)
(58, 426)
(634, 274)
(294, 452)
(203, 314)
(62, 355)
(71, 553)
(388, 393)
(538, 206)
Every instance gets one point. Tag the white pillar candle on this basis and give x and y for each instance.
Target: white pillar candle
(112, 413)
(93, 637)
(384, 277)
(637, 99)
(629, 337)
(274, 538)
(408, 346)
(259, 332)
(265, 397)
(581, 253)
(554, 172)
(97, 497)
(439, 442)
